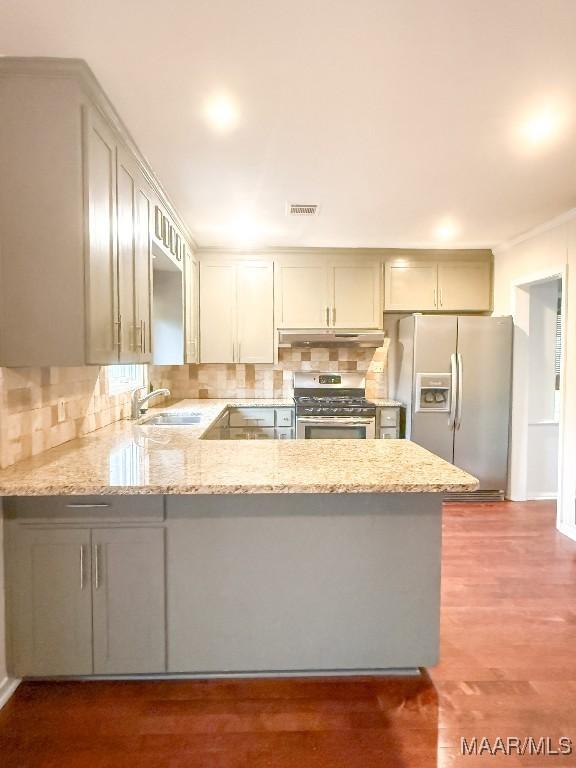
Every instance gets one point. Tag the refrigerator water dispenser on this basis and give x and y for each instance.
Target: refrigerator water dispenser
(433, 392)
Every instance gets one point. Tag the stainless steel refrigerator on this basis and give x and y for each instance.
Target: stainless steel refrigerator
(455, 376)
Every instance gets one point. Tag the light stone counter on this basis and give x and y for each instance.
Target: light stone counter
(127, 458)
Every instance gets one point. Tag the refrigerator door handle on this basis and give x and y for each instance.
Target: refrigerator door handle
(453, 390)
(460, 381)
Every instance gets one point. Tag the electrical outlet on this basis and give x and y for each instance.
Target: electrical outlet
(61, 410)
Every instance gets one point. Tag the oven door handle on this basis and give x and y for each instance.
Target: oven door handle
(334, 420)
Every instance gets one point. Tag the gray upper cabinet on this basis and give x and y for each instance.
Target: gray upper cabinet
(191, 308)
(236, 311)
(327, 291)
(128, 598)
(76, 286)
(134, 261)
(51, 603)
(101, 258)
(429, 285)
(464, 287)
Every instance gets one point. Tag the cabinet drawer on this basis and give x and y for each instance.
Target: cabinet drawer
(388, 417)
(284, 417)
(284, 433)
(251, 433)
(389, 433)
(251, 417)
(93, 509)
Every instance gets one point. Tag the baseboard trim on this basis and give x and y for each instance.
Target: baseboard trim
(568, 530)
(542, 497)
(7, 688)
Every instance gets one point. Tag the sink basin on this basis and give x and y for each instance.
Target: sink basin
(171, 419)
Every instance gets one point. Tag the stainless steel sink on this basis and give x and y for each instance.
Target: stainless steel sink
(170, 419)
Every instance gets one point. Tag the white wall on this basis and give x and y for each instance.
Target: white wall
(549, 252)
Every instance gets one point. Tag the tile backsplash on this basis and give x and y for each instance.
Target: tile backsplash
(29, 408)
(257, 380)
(29, 397)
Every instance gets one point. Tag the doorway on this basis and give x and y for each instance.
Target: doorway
(537, 389)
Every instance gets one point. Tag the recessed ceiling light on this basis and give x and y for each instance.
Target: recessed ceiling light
(543, 126)
(447, 229)
(221, 112)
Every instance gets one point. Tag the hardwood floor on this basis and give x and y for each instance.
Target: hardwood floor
(508, 669)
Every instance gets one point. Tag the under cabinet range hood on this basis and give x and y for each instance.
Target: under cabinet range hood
(315, 337)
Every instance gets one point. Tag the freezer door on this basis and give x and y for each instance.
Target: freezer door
(483, 411)
(434, 345)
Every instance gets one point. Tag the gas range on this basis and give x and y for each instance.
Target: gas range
(332, 405)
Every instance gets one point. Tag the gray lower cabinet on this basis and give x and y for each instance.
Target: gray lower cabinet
(128, 600)
(87, 601)
(51, 603)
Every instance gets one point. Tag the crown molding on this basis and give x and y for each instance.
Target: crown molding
(535, 231)
(79, 71)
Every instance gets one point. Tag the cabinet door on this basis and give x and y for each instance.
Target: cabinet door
(217, 313)
(410, 286)
(255, 318)
(126, 193)
(128, 600)
(143, 271)
(464, 287)
(51, 603)
(302, 295)
(356, 296)
(191, 309)
(101, 256)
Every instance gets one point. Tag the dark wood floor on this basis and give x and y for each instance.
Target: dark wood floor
(508, 669)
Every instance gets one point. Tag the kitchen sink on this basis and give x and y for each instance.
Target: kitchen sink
(171, 419)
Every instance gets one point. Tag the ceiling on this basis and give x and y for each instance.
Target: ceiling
(393, 115)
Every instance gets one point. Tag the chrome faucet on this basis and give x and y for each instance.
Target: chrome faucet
(139, 406)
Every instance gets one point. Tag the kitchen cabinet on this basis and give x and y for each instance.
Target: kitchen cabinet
(87, 601)
(464, 287)
(101, 261)
(236, 312)
(328, 293)
(128, 600)
(52, 603)
(255, 312)
(191, 309)
(410, 286)
(355, 295)
(256, 423)
(134, 262)
(76, 286)
(433, 286)
(302, 295)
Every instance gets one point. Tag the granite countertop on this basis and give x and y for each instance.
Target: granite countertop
(129, 458)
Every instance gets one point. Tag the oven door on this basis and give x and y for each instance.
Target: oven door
(335, 428)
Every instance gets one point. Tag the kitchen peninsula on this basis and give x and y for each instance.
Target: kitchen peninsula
(145, 550)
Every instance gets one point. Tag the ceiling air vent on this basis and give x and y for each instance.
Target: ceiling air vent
(298, 209)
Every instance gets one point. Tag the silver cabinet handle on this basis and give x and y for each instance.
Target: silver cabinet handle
(333, 315)
(239, 351)
(327, 315)
(435, 297)
(118, 327)
(441, 298)
(81, 567)
(460, 388)
(86, 506)
(143, 335)
(453, 390)
(97, 566)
